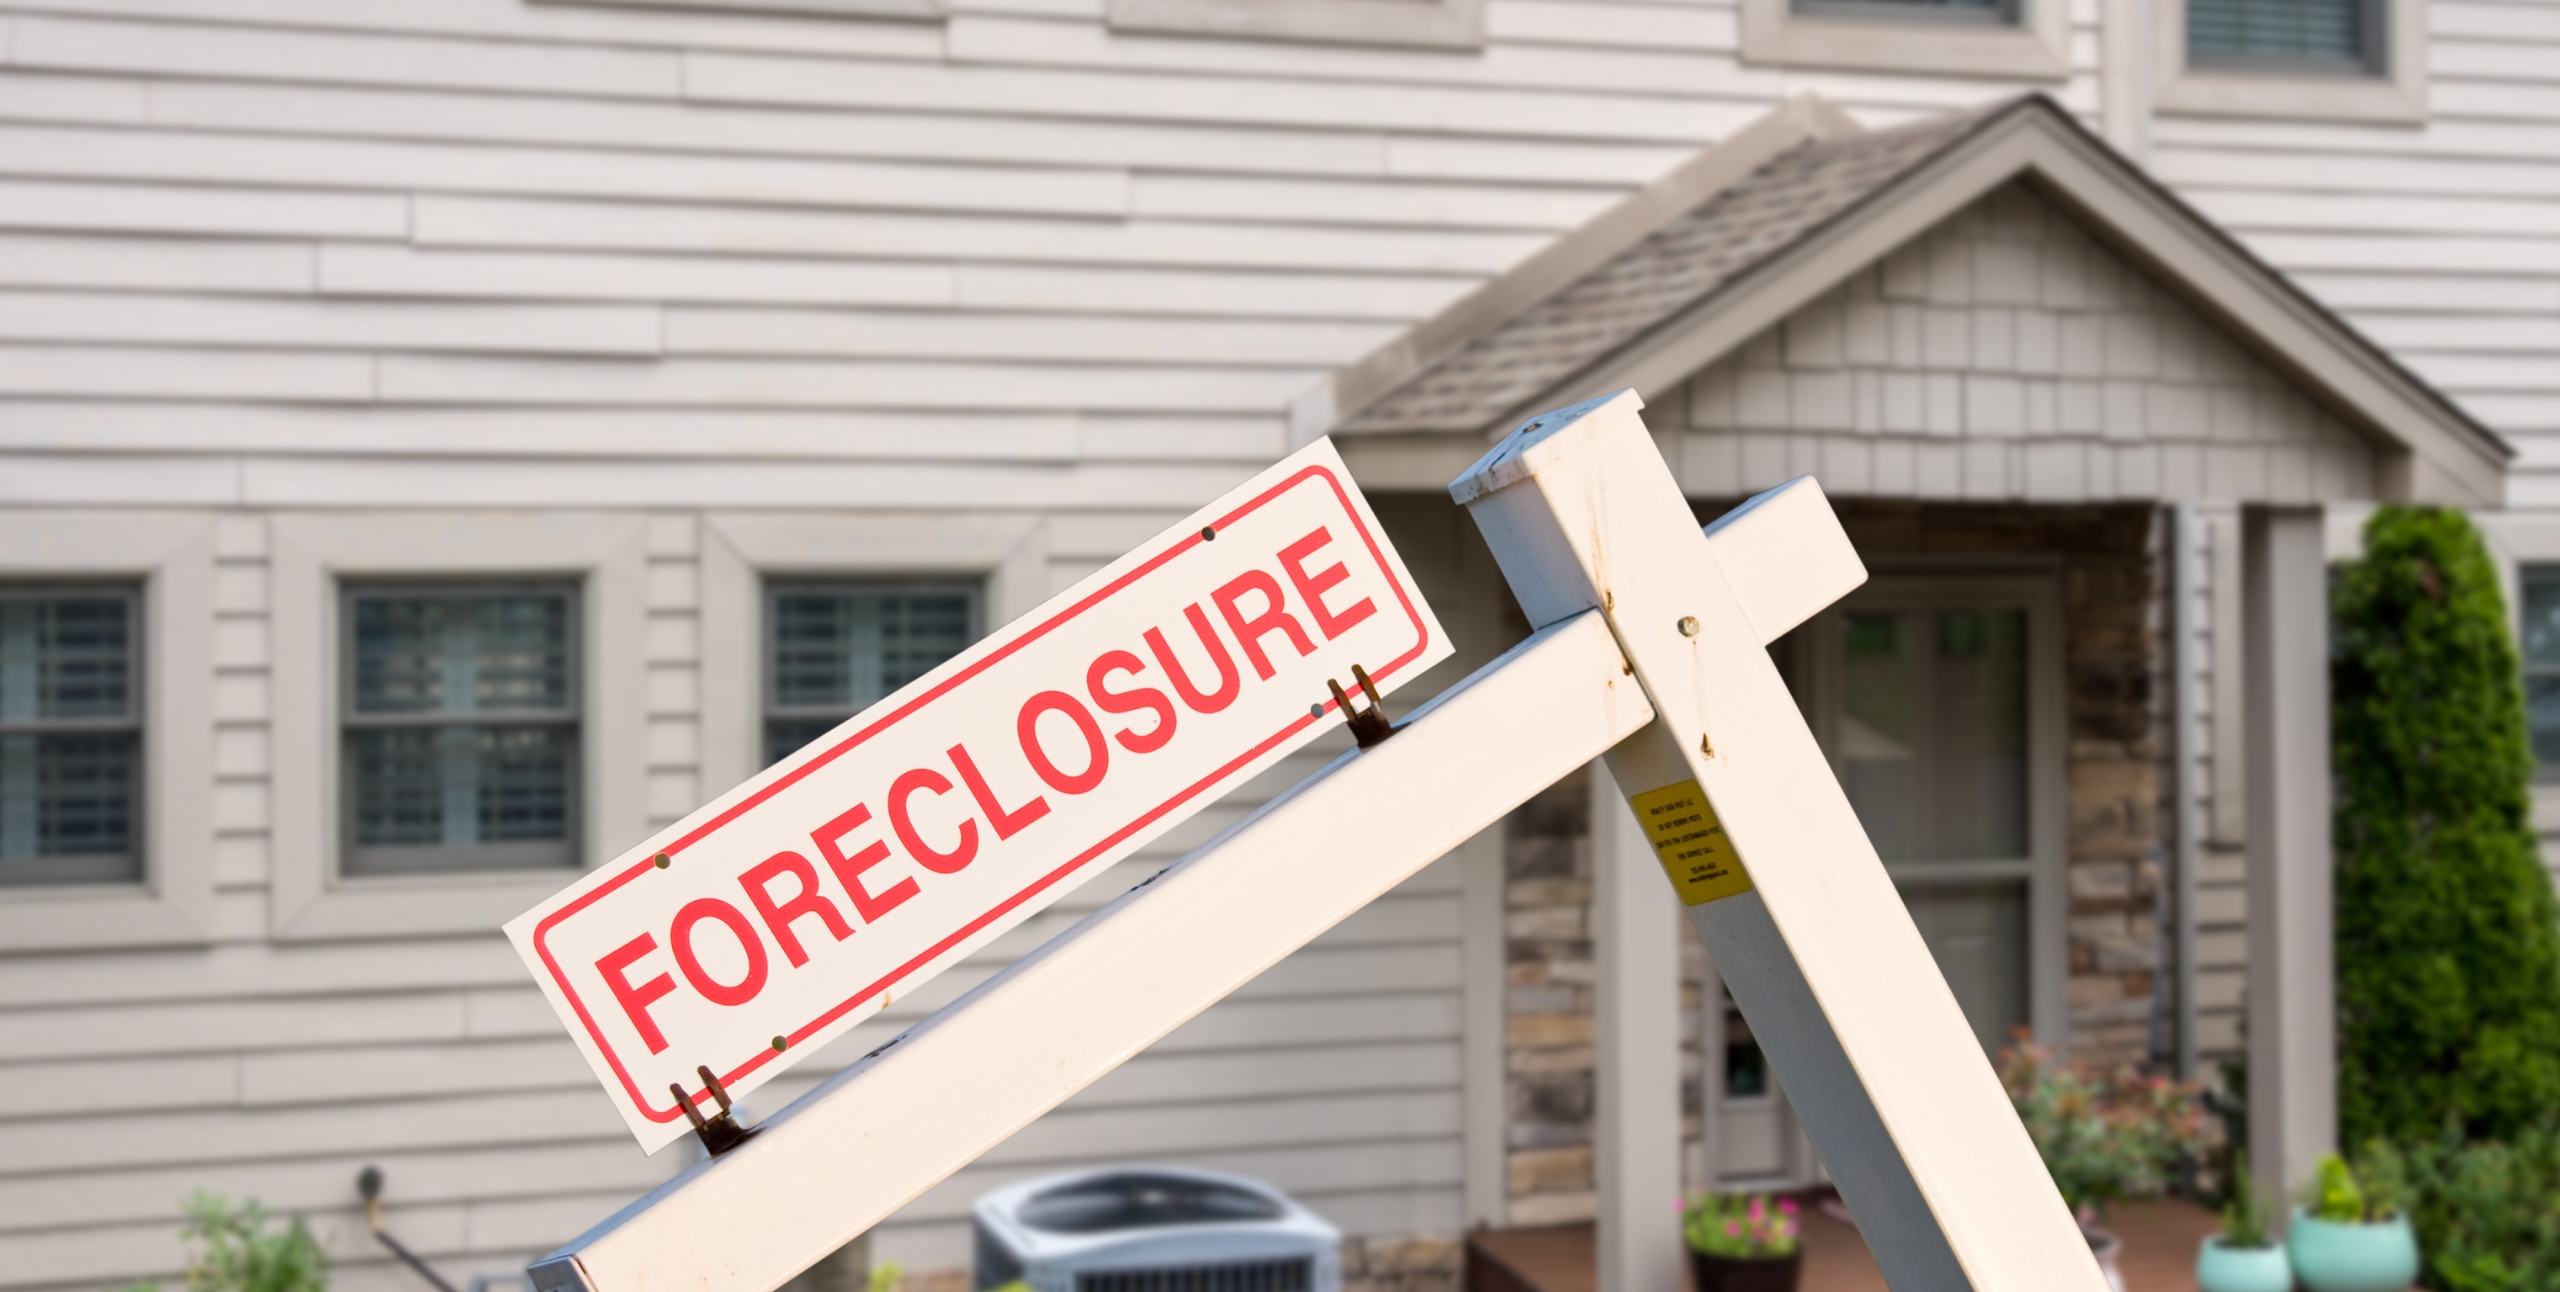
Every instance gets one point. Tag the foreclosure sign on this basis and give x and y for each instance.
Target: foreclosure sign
(793, 907)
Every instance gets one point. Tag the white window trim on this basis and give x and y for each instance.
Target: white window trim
(741, 550)
(2398, 95)
(312, 555)
(172, 555)
(1935, 585)
(1441, 24)
(2036, 48)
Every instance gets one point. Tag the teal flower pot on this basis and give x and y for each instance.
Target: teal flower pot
(2242, 1269)
(2331, 1257)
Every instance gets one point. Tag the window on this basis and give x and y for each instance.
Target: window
(2286, 35)
(2307, 60)
(2542, 666)
(461, 727)
(1959, 11)
(1938, 700)
(1445, 24)
(70, 735)
(838, 648)
(2024, 39)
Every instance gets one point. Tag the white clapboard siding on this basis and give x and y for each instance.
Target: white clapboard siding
(401, 270)
(395, 113)
(668, 28)
(302, 322)
(451, 221)
(164, 208)
(266, 255)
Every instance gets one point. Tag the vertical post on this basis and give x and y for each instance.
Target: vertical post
(1779, 878)
(1635, 944)
(2186, 822)
(1485, 1165)
(2293, 1095)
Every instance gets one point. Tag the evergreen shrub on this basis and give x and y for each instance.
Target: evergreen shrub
(2485, 1211)
(2448, 939)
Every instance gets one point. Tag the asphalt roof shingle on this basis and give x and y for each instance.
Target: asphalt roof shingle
(1679, 264)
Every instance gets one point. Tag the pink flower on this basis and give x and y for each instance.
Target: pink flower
(1787, 1205)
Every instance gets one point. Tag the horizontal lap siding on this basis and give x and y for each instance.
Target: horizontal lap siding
(259, 255)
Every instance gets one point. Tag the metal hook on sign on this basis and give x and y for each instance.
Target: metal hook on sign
(1370, 725)
(720, 1133)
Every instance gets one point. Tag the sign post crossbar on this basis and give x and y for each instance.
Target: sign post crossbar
(1650, 650)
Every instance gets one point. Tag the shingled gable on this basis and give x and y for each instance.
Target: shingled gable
(1678, 275)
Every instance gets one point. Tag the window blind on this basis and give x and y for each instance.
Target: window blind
(461, 728)
(2337, 33)
(70, 736)
(839, 647)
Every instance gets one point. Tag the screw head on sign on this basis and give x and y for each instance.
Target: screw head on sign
(661, 859)
(1315, 710)
(779, 1045)
(1688, 625)
(1208, 533)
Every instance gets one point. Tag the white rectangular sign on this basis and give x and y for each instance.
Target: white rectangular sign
(793, 907)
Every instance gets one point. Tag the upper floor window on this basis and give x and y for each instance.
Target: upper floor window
(70, 735)
(1962, 11)
(2342, 36)
(2542, 665)
(838, 647)
(461, 727)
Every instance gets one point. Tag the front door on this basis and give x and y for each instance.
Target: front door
(1938, 698)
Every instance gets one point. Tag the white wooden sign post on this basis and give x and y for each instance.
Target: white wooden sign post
(1650, 649)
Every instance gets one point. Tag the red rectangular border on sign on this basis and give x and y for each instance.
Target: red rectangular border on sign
(1422, 641)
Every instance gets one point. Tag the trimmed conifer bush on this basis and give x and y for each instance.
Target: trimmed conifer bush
(2448, 941)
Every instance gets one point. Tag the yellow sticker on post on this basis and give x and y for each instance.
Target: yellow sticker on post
(1692, 844)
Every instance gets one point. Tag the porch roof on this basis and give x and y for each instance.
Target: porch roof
(1681, 273)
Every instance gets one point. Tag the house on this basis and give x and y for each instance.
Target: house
(444, 441)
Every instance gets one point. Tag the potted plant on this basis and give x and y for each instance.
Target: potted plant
(1743, 1242)
(2105, 1135)
(2243, 1257)
(2346, 1239)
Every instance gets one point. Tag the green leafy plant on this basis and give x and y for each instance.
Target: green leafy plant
(237, 1251)
(2105, 1135)
(2487, 1212)
(2244, 1217)
(2448, 941)
(2333, 1194)
(1742, 1226)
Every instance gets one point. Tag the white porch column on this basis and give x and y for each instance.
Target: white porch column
(1635, 944)
(2293, 1078)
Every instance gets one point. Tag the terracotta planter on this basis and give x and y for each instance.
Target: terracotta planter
(1745, 1274)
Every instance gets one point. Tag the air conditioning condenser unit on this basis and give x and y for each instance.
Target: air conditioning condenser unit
(1153, 1229)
